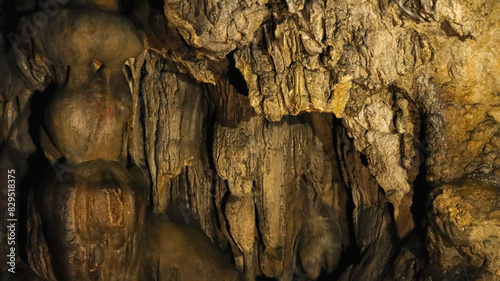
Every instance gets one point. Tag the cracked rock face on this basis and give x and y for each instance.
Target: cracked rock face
(289, 140)
(464, 225)
(216, 27)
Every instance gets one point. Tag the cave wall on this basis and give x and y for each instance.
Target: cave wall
(413, 82)
(356, 139)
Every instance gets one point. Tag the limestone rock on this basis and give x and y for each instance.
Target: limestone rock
(216, 27)
(464, 225)
(296, 139)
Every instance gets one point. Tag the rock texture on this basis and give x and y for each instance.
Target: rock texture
(346, 140)
(464, 225)
(282, 206)
(98, 243)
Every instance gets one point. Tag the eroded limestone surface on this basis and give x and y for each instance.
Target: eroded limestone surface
(352, 140)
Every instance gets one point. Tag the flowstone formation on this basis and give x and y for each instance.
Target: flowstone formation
(244, 140)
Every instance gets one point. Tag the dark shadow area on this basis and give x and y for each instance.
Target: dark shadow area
(236, 77)
(9, 21)
(156, 4)
(38, 165)
(451, 32)
(421, 188)
(351, 255)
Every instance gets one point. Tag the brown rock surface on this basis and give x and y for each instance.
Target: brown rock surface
(465, 225)
(303, 138)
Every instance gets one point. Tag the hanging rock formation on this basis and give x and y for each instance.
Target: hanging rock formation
(290, 140)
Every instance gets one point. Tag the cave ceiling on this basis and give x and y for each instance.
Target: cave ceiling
(251, 140)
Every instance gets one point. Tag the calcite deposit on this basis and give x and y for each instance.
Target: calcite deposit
(251, 140)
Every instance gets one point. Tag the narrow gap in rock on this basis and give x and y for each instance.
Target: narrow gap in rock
(38, 165)
(351, 255)
(390, 206)
(146, 172)
(224, 203)
(364, 160)
(209, 128)
(421, 187)
(38, 104)
(236, 77)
